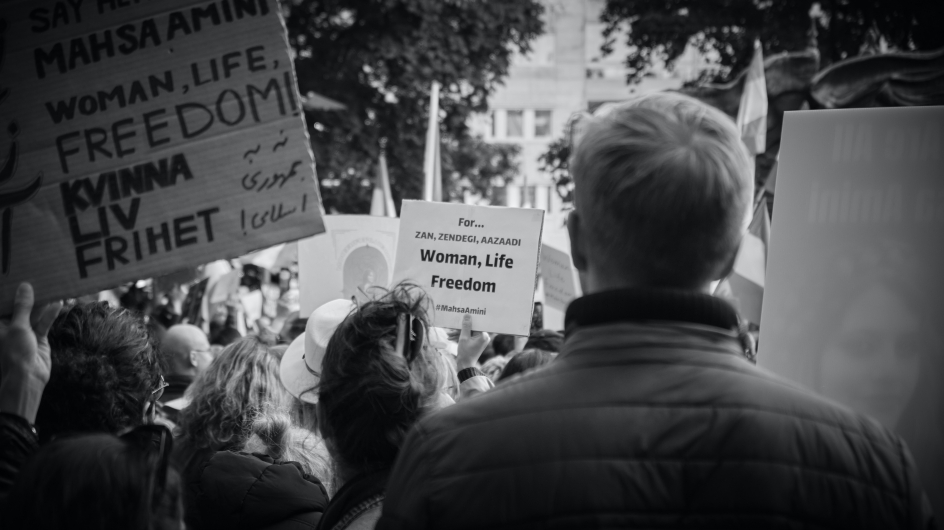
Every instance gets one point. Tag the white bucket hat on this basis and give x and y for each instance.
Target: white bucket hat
(300, 370)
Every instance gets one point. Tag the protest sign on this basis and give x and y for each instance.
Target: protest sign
(560, 278)
(852, 301)
(477, 260)
(560, 285)
(355, 254)
(139, 138)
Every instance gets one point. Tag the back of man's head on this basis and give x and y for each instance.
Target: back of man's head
(186, 349)
(104, 372)
(663, 186)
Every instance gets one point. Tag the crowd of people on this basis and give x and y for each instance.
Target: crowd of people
(646, 411)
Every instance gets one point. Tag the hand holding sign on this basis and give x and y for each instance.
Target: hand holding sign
(471, 344)
(472, 260)
(25, 355)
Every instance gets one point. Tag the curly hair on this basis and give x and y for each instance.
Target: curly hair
(104, 370)
(239, 386)
(369, 396)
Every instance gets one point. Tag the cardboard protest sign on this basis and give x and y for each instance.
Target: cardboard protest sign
(355, 254)
(139, 138)
(852, 302)
(478, 260)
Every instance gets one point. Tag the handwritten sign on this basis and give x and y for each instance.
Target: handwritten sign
(139, 138)
(560, 278)
(477, 260)
(353, 256)
(852, 301)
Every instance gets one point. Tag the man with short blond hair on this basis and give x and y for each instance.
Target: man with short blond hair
(652, 416)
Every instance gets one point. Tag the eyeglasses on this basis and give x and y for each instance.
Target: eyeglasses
(157, 443)
(160, 388)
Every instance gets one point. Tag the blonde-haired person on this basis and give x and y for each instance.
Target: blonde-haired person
(232, 439)
(653, 415)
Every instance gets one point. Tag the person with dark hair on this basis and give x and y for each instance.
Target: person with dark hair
(504, 348)
(225, 486)
(654, 415)
(99, 481)
(526, 361)
(379, 375)
(546, 340)
(106, 374)
(502, 344)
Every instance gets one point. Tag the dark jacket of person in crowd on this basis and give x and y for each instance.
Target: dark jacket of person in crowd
(652, 416)
(231, 490)
(99, 481)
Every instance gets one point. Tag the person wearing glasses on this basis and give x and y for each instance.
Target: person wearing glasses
(82, 480)
(186, 350)
(88, 369)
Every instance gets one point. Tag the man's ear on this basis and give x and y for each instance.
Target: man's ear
(576, 242)
(193, 359)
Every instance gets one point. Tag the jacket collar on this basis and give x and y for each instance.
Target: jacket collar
(647, 305)
(356, 496)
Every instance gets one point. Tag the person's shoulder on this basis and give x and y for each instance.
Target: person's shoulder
(255, 472)
(786, 407)
(517, 396)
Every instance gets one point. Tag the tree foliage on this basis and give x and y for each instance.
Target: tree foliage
(556, 162)
(379, 58)
(661, 29)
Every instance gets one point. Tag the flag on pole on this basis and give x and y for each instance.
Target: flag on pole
(752, 113)
(381, 202)
(747, 281)
(432, 172)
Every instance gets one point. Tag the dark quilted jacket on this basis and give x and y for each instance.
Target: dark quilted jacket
(652, 425)
(226, 490)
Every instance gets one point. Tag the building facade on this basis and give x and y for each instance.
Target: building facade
(565, 73)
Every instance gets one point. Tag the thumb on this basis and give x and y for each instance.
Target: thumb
(23, 305)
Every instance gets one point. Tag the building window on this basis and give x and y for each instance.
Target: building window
(514, 124)
(492, 119)
(542, 123)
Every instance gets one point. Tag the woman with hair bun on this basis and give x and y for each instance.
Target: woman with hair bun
(379, 376)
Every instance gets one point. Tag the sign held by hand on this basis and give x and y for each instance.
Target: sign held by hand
(475, 260)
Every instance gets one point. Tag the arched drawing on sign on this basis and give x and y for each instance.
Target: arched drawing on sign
(9, 199)
(365, 267)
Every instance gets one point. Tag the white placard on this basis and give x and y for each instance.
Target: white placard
(852, 300)
(354, 255)
(477, 260)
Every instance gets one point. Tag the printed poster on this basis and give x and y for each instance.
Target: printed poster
(475, 260)
(853, 297)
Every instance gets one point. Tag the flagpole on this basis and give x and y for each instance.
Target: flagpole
(432, 139)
